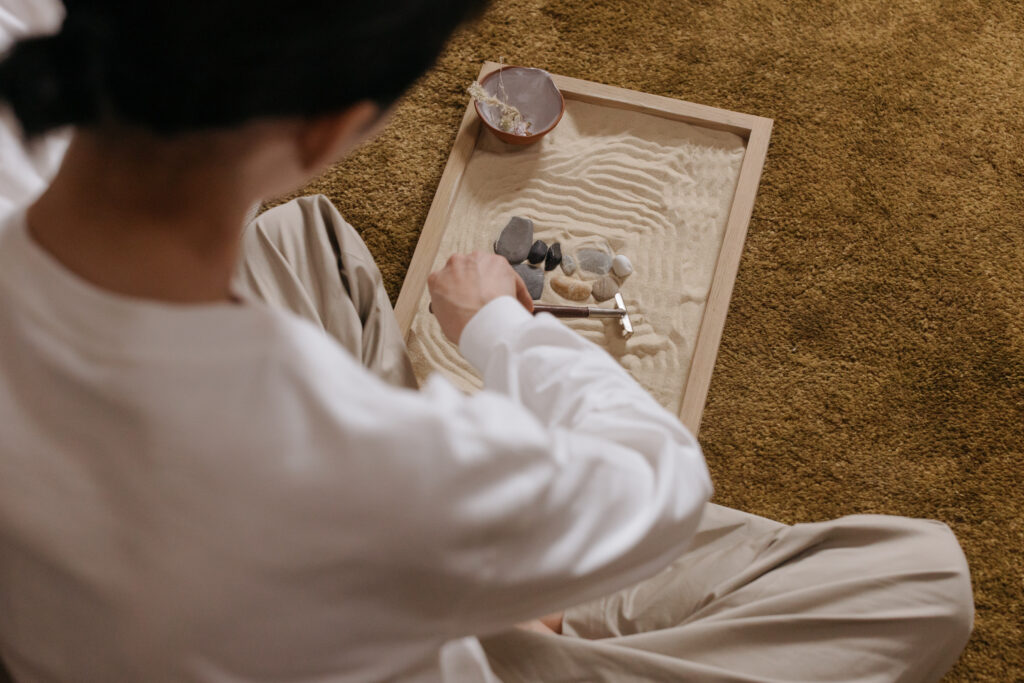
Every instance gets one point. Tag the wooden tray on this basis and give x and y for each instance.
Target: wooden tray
(754, 131)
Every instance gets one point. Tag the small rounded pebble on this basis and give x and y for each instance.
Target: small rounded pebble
(621, 266)
(554, 257)
(594, 261)
(534, 279)
(570, 288)
(568, 264)
(538, 252)
(605, 288)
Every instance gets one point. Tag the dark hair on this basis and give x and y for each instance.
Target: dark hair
(177, 65)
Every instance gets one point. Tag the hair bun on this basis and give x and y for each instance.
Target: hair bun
(47, 81)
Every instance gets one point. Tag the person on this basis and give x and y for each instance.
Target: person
(215, 464)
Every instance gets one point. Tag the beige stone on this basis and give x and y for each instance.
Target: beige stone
(605, 288)
(570, 288)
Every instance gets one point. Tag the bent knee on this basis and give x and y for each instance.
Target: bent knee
(305, 225)
(289, 218)
(930, 555)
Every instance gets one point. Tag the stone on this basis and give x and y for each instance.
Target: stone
(621, 266)
(514, 241)
(554, 256)
(594, 261)
(570, 288)
(605, 288)
(538, 252)
(533, 277)
(568, 264)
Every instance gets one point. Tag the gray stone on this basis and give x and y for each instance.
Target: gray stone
(538, 252)
(568, 264)
(534, 279)
(594, 261)
(605, 288)
(554, 257)
(621, 266)
(514, 241)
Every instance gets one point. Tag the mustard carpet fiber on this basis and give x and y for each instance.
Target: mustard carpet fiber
(873, 359)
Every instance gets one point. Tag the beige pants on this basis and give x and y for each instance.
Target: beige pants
(865, 598)
(302, 256)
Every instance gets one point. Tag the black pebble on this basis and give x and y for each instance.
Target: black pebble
(538, 252)
(554, 257)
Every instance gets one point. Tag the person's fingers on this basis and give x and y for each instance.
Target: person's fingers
(522, 293)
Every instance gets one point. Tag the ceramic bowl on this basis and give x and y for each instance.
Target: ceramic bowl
(532, 92)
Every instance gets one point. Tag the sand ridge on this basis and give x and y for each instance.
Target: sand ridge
(656, 190)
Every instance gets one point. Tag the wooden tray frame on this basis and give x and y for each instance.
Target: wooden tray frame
(755, 130)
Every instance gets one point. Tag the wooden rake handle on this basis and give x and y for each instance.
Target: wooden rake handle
(562, 311)
(570, 311)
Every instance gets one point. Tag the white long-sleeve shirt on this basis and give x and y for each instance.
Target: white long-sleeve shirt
(221, 493)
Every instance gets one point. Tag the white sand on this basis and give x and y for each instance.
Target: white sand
(656, 190)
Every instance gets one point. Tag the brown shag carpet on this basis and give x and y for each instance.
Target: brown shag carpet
(873, 360)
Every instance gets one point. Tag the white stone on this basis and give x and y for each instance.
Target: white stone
(621, 266)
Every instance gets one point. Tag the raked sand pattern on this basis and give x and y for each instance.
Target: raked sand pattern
(656, 190)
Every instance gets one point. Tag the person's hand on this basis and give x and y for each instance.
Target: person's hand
(467, 283)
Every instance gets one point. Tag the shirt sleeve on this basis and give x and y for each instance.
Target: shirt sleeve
(562, 481)
(26, 168)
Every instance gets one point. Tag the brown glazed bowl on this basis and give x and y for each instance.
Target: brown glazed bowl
(531, 91)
